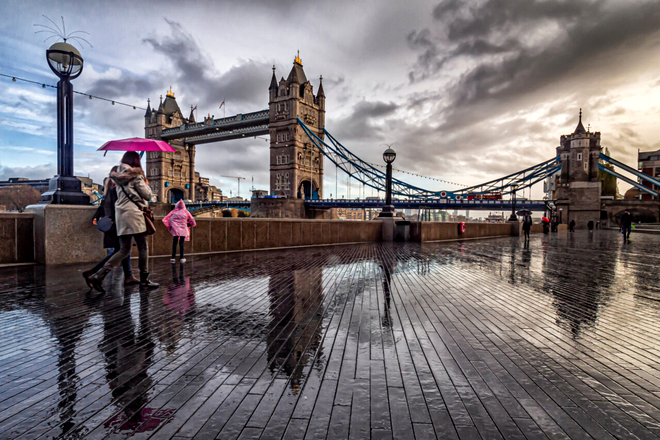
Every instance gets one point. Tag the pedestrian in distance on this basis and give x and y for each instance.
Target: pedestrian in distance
(110, 239)
(133, 195)
(178, 222)
(526, 225)
(590, 226)
(571, 226)
(626, 224)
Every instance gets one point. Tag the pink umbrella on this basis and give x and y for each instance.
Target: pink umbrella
(136, 144)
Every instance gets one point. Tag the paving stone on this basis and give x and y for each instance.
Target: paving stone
(476, 339)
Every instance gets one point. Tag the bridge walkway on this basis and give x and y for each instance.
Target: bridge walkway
(477, 339)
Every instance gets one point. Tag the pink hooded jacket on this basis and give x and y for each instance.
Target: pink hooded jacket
(178, 220)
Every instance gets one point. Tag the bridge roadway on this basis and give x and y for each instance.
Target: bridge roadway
(492, 205)
(221, 129)
(483, 339)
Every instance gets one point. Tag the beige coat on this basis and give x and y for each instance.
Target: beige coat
(130, 183)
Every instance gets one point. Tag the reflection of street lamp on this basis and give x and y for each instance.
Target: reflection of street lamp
(513, 217)
(67, 63)
(388, 210)
(560, 212)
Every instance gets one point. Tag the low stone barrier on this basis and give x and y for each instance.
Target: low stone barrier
(237, 234)
(437, 231)
(16, 238)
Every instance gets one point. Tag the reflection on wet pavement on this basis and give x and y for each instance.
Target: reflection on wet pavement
(478, 339)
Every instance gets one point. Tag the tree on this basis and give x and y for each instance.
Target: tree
(17, 197)
(608, 182)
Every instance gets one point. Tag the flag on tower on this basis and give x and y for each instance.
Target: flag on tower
(222, 103)
(193, 109)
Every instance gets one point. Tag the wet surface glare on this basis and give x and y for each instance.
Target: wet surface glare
(476, 339)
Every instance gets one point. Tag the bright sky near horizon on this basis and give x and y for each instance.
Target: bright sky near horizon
(465, 90)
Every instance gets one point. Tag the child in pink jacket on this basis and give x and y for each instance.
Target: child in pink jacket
(178, 222)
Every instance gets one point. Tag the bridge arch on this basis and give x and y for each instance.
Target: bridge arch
(307, 190)
(175, 194)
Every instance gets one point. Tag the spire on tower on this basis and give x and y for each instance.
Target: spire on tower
(147, 114)
(273, 80)
(320, 92)
(297, 59)
(580, 127)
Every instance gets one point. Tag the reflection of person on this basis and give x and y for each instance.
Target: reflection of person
(110, 238)
(133, 194)
(178, 222)
(590, 226)
(527, 225)
(626, 224)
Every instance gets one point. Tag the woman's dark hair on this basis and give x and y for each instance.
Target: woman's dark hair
(131, 158)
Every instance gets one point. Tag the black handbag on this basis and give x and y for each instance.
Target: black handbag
(104, 224)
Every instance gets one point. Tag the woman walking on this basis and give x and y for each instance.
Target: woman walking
(110, 238)
(133, 194)
(177, 222)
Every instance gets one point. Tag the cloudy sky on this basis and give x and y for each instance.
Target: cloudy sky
(465, 90)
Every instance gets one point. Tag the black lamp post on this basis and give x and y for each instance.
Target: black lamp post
(388, 210)
(67, 63)
(513, 217)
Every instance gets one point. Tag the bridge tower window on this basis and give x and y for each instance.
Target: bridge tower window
(579, 156)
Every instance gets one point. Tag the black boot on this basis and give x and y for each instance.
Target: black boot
(146, 283)
(96, 280)
(86, 274)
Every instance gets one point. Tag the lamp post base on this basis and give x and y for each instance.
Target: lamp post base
(513, 218)
(388, 211)
(65, 190)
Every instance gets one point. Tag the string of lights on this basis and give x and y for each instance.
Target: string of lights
(44, 85)
(419, 175)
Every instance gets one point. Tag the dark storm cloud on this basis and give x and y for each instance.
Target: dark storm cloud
(506, 59)
(196, 78)
(360, 123)
(195, 73)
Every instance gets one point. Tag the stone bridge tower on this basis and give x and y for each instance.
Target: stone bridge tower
(171, 175)
(578, 188)
(296, 165)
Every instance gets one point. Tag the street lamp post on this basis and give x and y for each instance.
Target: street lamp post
(513, 217)
(67, 63)
(388, 210)
(560, 213)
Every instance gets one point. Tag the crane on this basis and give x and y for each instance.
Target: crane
(238, 179)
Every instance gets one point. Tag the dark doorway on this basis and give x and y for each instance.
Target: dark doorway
(305, 190)
(175, 195)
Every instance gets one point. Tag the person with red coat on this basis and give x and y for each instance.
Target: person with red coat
(178, 222)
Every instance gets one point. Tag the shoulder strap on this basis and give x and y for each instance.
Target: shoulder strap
(129, 197)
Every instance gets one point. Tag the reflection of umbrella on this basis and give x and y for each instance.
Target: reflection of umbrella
(524, 211)
(545, 219)
(136, 144)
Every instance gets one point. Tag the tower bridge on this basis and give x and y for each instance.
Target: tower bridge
(299, 143)
(296, 166)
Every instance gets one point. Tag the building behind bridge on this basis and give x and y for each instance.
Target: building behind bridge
(649, 163)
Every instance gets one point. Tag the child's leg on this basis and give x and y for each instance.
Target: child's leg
(174, 240)
(182, 241)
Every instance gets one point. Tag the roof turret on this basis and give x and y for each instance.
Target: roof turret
(273, 81)
(580, 128)
(320, 93)
(147, 114)
(297, 73)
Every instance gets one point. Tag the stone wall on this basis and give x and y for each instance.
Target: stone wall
(236, 234)
(435, 231)
(16, 238)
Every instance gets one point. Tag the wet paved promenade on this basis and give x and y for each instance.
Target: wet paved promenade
(476, 339)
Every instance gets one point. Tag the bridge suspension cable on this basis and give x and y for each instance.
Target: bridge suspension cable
(368, 174)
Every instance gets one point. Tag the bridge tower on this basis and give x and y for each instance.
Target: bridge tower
(171, 176)
(578, 188)
(296, 166)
